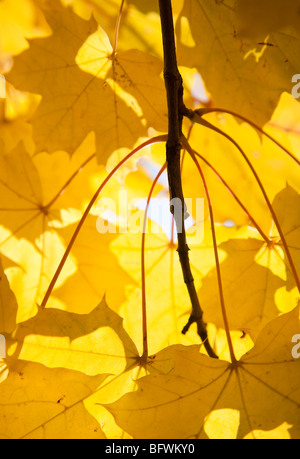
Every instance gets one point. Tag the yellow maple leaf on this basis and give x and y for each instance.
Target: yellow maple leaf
(262, 388)
(72, 349)
(27, 220)
(70, 95)
(95, 321)
(255, 274)
(49, 403)
(242, 75)
(93, 343)
(222, 157)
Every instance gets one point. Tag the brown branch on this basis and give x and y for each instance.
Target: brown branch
(176, 110)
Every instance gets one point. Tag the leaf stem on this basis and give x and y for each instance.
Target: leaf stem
(118, 28)
(157, 139)
(203, 111)
(143, 269)
(261, 186)
(215, 244)
(263, 235)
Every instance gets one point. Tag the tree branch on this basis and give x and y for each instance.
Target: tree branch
(176, 111)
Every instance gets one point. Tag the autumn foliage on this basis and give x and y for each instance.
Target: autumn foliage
(93, 321)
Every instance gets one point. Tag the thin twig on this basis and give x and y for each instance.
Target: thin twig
(176, 108)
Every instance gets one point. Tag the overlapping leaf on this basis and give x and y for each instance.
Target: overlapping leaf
(93, 343)
(135, 13)
(260, 393)
(49, 404)
(74, 369)
(168, 305)
(245, 75)
(74, 102)
(33, 212)
(257, 278)
(233, 169)
(88, 359)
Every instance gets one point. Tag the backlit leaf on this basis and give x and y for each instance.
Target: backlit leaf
(98, 338)
(246, 76)
(69, 95)
(52, 408)
(262, 389)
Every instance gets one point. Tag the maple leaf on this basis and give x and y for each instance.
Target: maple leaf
(68, 94)
(256, 274)
(38, 197)
(132, 34)
(52, 68)
(167, 299)
(263, 389)
(49, 403)
(93, 343)
(27, 221)
(234, 171)
(71, 352)
(255, 73)
(96, 326)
